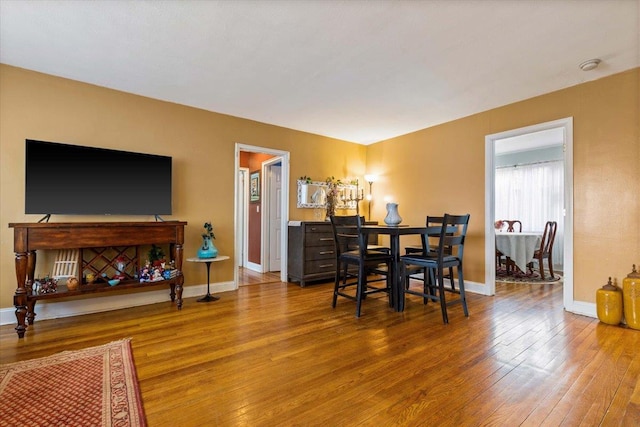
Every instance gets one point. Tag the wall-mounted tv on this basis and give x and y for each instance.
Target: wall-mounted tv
(77, 180)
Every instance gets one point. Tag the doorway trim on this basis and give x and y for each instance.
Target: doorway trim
(284, 157)
(566, 125)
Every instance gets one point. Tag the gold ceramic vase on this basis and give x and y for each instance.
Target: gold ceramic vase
(631, 296)
(609, 304)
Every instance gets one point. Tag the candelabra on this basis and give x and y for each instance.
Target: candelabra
(354, 199)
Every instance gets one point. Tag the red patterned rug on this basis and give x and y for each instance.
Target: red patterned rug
(528, 277)
(96, 386)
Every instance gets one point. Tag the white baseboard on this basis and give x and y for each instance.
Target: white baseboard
(469, 286)
(53, 310)
(583, 308)
(254, 267)
(475, 287)
(576, 307)
(67, 308)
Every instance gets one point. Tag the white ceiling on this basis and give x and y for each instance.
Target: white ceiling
(361, 71)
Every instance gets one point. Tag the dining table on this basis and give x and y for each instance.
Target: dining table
(519, 247)
(394, 232)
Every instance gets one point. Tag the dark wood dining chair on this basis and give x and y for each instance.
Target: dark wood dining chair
(357, 266)
(425, 247)
(451, 234)
(546, 249)
(373, 240)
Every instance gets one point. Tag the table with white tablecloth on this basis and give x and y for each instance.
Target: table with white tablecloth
(520, 247)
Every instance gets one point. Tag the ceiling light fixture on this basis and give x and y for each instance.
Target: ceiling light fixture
(589, 65)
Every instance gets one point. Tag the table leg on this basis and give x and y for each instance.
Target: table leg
(208, 297)
(395, 272)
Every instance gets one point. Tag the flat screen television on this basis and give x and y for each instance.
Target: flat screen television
(76, 180)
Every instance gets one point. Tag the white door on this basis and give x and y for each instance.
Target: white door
(275, 217)
(242, 216)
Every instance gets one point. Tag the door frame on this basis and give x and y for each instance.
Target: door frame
(489, 206)
(285, 158)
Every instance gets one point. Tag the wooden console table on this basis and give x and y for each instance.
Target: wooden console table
(30, 237)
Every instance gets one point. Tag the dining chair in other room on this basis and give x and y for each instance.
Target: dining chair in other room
(357, 266)
(449, 254)
(512, 224)
(546, 249)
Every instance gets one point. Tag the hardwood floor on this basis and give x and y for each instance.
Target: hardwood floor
(249, 277)
(277, 354)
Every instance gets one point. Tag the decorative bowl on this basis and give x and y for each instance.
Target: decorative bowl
(114, 282)
(72, 283)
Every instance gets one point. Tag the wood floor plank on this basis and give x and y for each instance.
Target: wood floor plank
(274, 353)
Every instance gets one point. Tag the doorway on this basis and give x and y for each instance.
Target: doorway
(566, 128)
(270, 194)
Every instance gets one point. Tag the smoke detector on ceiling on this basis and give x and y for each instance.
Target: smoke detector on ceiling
(589, 65)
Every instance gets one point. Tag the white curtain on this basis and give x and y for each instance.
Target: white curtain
(533, 194)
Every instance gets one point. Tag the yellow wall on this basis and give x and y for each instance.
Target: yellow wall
(441, 169)
(606, 164)
(202, 144)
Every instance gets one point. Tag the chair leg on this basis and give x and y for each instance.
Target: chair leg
(425, 286)
(463, 295)
(336, 287)
(433, 283)
(390, 291)
(443, 302)
(429, 284)
(551, 268)
(404, 285)
(541, 265)
(360, 288)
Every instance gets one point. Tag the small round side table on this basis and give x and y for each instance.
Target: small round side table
(208, 297)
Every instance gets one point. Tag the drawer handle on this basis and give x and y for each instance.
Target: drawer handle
(326, 265)
(325, 252)
(325, 238)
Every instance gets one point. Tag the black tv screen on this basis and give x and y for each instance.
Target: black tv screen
(77, 180)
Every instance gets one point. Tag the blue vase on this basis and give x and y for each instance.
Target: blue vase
(207, 250)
